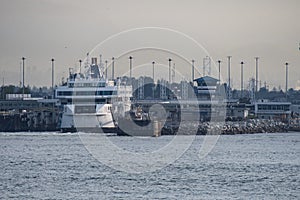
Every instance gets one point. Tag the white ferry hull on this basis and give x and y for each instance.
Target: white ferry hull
(98, 121)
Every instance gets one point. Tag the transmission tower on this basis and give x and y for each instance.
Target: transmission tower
(206, 66)
(184, 89)
(163, 92)
(141, 88)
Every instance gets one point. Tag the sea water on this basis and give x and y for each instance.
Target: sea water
(58, 166)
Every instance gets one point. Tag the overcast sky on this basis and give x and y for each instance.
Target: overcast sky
(68, 29)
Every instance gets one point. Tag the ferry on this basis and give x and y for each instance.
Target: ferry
(90, 102)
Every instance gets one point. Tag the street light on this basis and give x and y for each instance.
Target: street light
(23, 59)
(130, 66)
(52, 62)
(242, 79)
(286, 78)
(170, 60)
(219, 61)
(193, 70)
(153, 79)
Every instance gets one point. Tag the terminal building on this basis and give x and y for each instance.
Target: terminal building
(265, 109)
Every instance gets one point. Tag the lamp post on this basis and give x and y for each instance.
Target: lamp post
(106, 69)
(52, 62)
(130, 67)
(80, 61)
(193, 70)
(286, 79)
(256, 76)
(153, 79)
(170, 60)
(23, 59)
(229, 84)
(242, 79)
(113, 68)
(219, 62)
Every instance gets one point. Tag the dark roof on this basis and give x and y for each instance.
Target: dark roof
(207, 79)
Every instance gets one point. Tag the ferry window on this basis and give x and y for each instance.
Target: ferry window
(100, 101)
(65, 93)
(99, 93)
(83, 93)
(286, 107)
(101, 84)
(107, 92)
(259, 107)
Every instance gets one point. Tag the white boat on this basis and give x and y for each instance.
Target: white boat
(90, 101)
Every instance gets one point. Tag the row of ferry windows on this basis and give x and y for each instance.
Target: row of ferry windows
(87, 84)
(84, 93)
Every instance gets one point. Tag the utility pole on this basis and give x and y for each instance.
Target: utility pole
(23, 59)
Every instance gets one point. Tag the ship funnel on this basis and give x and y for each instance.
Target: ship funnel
(94, 61)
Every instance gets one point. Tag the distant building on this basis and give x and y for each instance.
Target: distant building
(236, 110)
(17, 96)
(206, 87)
(265, 109)
(295, 109)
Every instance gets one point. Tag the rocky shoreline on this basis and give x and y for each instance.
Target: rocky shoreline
(227, 128)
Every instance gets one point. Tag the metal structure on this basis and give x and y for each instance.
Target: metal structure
(163, 91)
(207, 66)
(184, 90)
(141, 94)
(173, 73)
(256, 74)
(106, 68)
(193, 70)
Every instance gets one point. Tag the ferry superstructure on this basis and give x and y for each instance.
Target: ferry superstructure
(90, 101)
